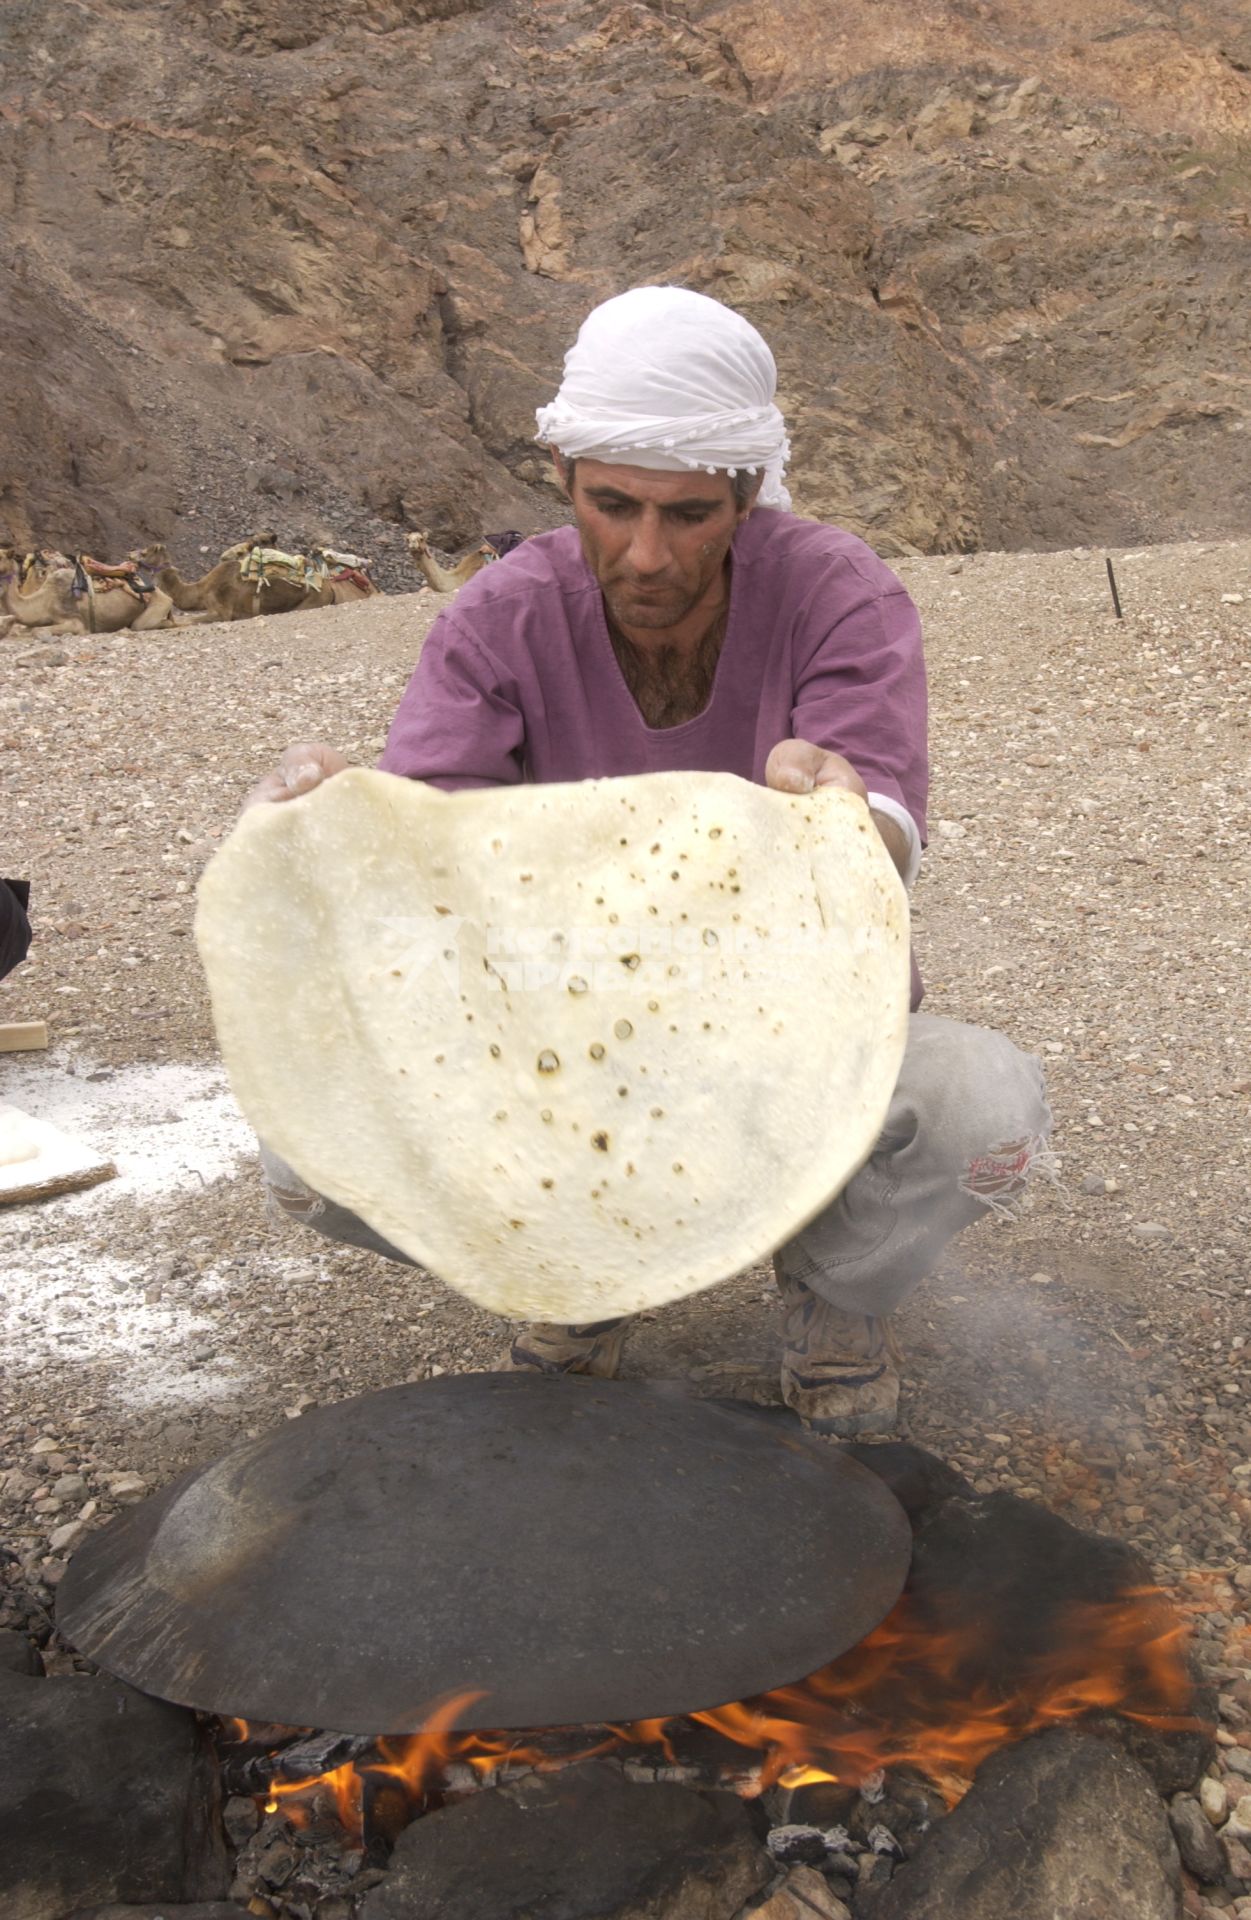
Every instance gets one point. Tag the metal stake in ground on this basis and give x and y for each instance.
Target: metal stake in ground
(1116, 598)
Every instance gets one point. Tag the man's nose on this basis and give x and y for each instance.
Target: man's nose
(649, 549)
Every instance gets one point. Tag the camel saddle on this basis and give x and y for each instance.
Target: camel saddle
(354, 563)
(266, 565)
(97, 576)
(356, 578)
(502, 544)
(43, 560)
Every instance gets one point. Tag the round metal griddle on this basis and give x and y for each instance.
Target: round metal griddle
(575, 1551)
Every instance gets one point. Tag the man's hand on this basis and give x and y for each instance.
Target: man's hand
(301, 768)
(796, 766)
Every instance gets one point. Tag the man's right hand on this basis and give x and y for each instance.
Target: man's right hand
(301, 768)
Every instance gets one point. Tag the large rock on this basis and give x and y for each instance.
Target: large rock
(105, 1796)
(578, 1845)
(18, 1654)
(1061, 1827)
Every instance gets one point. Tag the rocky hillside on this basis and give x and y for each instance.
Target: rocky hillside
(316, 263)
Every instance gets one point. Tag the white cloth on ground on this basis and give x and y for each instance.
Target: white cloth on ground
(670, 380)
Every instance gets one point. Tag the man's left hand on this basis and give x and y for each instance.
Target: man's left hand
(796, 766)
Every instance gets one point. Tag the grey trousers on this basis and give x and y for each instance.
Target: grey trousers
(967, 1127)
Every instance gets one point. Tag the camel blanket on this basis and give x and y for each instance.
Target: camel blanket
(263, 564)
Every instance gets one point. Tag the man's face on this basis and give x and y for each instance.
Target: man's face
(656, 542)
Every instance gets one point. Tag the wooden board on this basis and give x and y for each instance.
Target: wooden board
(22, 1036)
(37, 1160)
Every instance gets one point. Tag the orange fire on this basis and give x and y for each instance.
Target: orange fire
(907, 1696)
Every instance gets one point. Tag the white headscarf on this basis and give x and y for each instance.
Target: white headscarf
(670, 380)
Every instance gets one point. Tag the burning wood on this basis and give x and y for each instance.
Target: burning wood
(927, 1698)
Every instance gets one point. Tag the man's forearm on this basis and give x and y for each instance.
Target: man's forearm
(894, 839)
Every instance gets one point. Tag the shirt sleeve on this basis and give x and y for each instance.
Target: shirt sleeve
(459, 723)
(861, 692)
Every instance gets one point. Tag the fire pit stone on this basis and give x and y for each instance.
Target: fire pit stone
(1059, 1825)
(579, 1842)
(803, 1895)
(18, 1654)
(198, 1910)
(82, 1762)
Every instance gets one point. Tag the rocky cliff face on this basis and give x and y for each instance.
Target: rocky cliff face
(317, 263)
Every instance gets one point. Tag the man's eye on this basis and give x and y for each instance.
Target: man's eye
(613, 508)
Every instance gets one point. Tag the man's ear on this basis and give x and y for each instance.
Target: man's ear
(749, 503)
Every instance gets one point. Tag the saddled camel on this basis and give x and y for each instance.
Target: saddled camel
(228, 592)
(74, 599)
(446, 579)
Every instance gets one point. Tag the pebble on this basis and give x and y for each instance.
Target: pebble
(1213, 1799)
(1150, 1230)
(1201, 1851)
(43, 657)
(127, 1487)
(1238, 1826)
(65, 1539)
(1238, 1760)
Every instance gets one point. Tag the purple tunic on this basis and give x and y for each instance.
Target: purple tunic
(518, 679)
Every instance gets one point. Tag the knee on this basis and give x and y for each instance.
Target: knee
(978, 1100)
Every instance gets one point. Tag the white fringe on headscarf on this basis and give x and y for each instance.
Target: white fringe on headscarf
(670, 380)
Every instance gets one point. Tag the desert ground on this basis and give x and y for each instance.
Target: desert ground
(1085, 890)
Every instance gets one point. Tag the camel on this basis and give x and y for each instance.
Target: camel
(232, 590)
(69, 600)
(77, 596)
(447, 579)
(49, 605)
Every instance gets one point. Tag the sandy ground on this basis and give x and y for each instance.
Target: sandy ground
(1085, 890)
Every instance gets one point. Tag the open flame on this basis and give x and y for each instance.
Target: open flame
(909, 1695)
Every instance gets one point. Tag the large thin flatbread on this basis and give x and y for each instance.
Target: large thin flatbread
(578, 1049)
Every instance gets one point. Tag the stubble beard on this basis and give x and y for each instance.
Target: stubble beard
(647, 616)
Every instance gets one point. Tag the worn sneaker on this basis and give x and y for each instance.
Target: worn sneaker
(838, 1369)
(594, 1349)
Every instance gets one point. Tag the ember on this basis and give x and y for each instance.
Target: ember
(932, 1698)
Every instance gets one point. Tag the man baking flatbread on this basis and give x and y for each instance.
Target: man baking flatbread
(689, 621)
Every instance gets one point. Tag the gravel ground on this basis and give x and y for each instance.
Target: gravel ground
(1085, 889)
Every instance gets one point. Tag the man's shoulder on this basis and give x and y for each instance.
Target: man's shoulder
(770, 539)
(544, 565)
